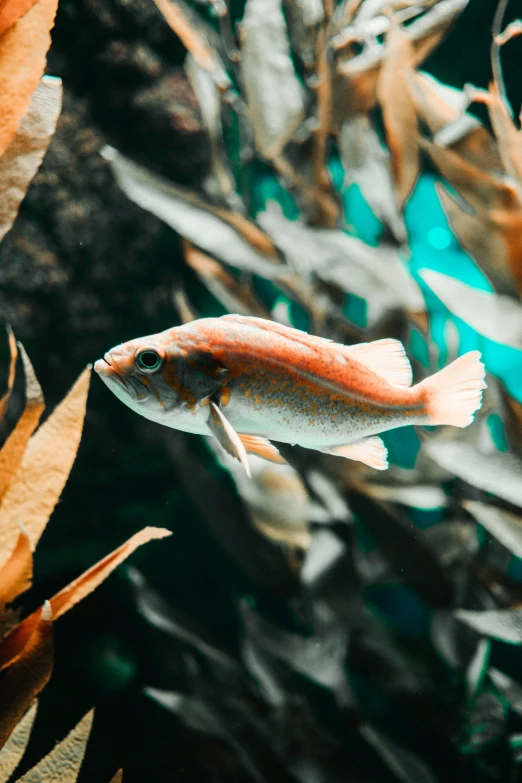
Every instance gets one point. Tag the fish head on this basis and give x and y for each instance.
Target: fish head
(146, 374)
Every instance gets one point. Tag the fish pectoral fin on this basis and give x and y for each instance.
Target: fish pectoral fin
(386, 357)
(370, 451)
(261, 447)
(226, 435)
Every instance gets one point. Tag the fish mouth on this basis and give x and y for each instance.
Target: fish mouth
(131, 386)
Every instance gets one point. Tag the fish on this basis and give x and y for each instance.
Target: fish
(250, 382)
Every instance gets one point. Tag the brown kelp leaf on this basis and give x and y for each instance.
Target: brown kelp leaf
(62, 764)
(400, 117)
(24, 154)
(13, 750)
(13, 351)
(118, 778)
(14, 644)
(505, 526)
(356, 84)
(195, 36)
(494, 316)
(366, 164)
(484, 242)
(209, 100)
(437, 104)
(16, 575)
(511, 31)
(12, 451)
(503, 624)
(80, 588)
(495, 472)
(47, 462)
(376, 274)
(28, 670)
(273, 92)
(11, 11)
(509, 137)
(22, 63)
(235, 296)
(229, 236)
(304, 18)
(481, 189)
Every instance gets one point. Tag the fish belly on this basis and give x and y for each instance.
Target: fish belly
(310, 416)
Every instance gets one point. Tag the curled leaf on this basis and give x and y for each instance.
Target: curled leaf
(24, 154)
(511, 31)
(62, 764)
(22, 63)
(13, 750)
(273, 92)
(46, 464)
(494, 316)
(12, 451)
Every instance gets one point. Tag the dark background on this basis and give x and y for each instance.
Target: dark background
(82, 270)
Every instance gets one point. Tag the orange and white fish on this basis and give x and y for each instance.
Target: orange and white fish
(248, 381)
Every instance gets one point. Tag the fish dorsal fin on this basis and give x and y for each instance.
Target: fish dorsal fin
(386, 357)
(370, 451)
(261, 447)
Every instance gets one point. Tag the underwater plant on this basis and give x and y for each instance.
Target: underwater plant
(351, 194)
(35, 461)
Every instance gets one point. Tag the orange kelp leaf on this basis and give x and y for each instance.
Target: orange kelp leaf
(22, 62)
(13, 750)
(118, 778)
(235, 296)
(193, 35)
(75, 591)
(27, 672)
(47, 462)
(62, 764)
(13, 350)
(11, 11)
(17, 574)
(21, 160)
(400, 117)
(13, 449)
(79, 589)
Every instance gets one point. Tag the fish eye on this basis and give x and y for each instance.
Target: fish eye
(148, 361)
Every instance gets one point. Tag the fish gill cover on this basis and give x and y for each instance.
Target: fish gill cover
(347, 192)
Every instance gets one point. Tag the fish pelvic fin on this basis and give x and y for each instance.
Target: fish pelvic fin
(386, 357)
(455, 393)
(370, 451)
(226, 435)
(261, 447)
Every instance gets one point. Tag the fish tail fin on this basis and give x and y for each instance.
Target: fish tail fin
(455, 392)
